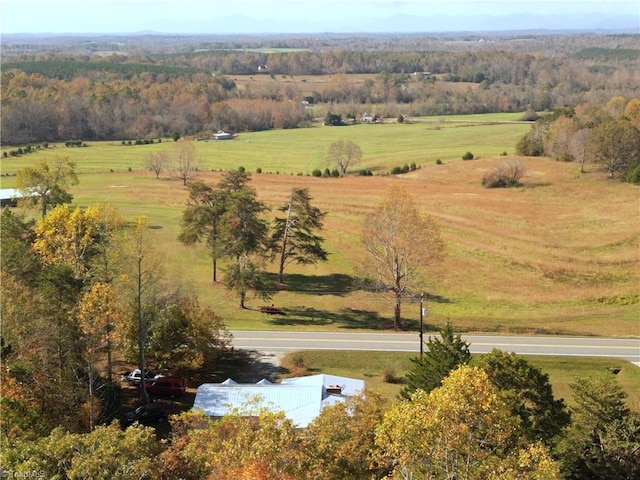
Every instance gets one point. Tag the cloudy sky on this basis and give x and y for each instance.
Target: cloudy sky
(302, 16)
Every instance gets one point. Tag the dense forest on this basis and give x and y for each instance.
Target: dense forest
(150, 86)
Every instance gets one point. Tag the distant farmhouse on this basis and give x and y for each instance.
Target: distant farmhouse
(221, 135)
(9, 197)
(369, 118)
(301, 399)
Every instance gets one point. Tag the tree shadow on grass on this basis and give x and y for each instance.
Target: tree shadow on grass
(347, 318)
(334, 284)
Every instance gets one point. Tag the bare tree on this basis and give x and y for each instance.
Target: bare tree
(505, 174)
(578, 146)
(157, 161)
(344, 154)
(186, 164)
(402, 243)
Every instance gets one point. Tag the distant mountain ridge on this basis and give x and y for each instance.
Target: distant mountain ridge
(411, 24)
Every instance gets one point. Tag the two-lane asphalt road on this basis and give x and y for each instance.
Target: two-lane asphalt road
(283, 341)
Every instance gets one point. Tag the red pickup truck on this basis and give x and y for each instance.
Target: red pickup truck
(166, 386)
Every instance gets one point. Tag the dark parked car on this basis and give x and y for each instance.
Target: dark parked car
(166, 386)
(145, 415)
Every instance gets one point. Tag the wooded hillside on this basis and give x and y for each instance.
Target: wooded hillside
(145, 87)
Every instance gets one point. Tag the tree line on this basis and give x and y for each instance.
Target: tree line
(607, 133)
(60, 97)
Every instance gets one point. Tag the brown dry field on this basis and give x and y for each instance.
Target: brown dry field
(559, 255)
(307, 84)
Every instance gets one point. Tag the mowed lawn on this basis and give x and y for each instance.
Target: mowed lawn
(559, 255)
(385, 372)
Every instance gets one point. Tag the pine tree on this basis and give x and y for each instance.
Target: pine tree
(442, 356)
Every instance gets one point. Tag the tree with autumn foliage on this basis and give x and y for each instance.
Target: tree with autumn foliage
(248, 441)
(75, 237)
(46, 184)
(340, 442)
(143, 285)
(96, 313)
(401, 243)
(186, 335)
(460, 430)
(106, 453)
(616, 144)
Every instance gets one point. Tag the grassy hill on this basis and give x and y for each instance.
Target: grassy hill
(559, 255)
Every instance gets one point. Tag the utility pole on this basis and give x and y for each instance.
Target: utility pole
(421, 328)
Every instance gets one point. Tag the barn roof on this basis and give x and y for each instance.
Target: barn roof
(301, 399)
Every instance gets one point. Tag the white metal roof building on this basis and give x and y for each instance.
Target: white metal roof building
(9, 197)
(301, 399)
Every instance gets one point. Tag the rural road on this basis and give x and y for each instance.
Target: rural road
(278, 342)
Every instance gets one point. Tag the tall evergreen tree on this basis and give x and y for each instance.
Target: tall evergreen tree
(201, 220)
(442, 356)
(293, 236)
(527, 391)
(244, 235)
(603, 440)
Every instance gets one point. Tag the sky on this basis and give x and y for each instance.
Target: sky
(298, 16)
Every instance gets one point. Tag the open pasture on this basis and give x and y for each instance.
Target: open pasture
(300, 151)
(559, 255)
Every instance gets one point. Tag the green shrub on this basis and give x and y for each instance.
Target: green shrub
(530, 145)
(396, 171)
(467, 156)
(258, 170)
(316, 173)
(438, 161)
(633, 175)
(335, 173)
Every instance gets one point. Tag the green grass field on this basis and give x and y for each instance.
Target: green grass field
(300, 151)
(557, 256)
